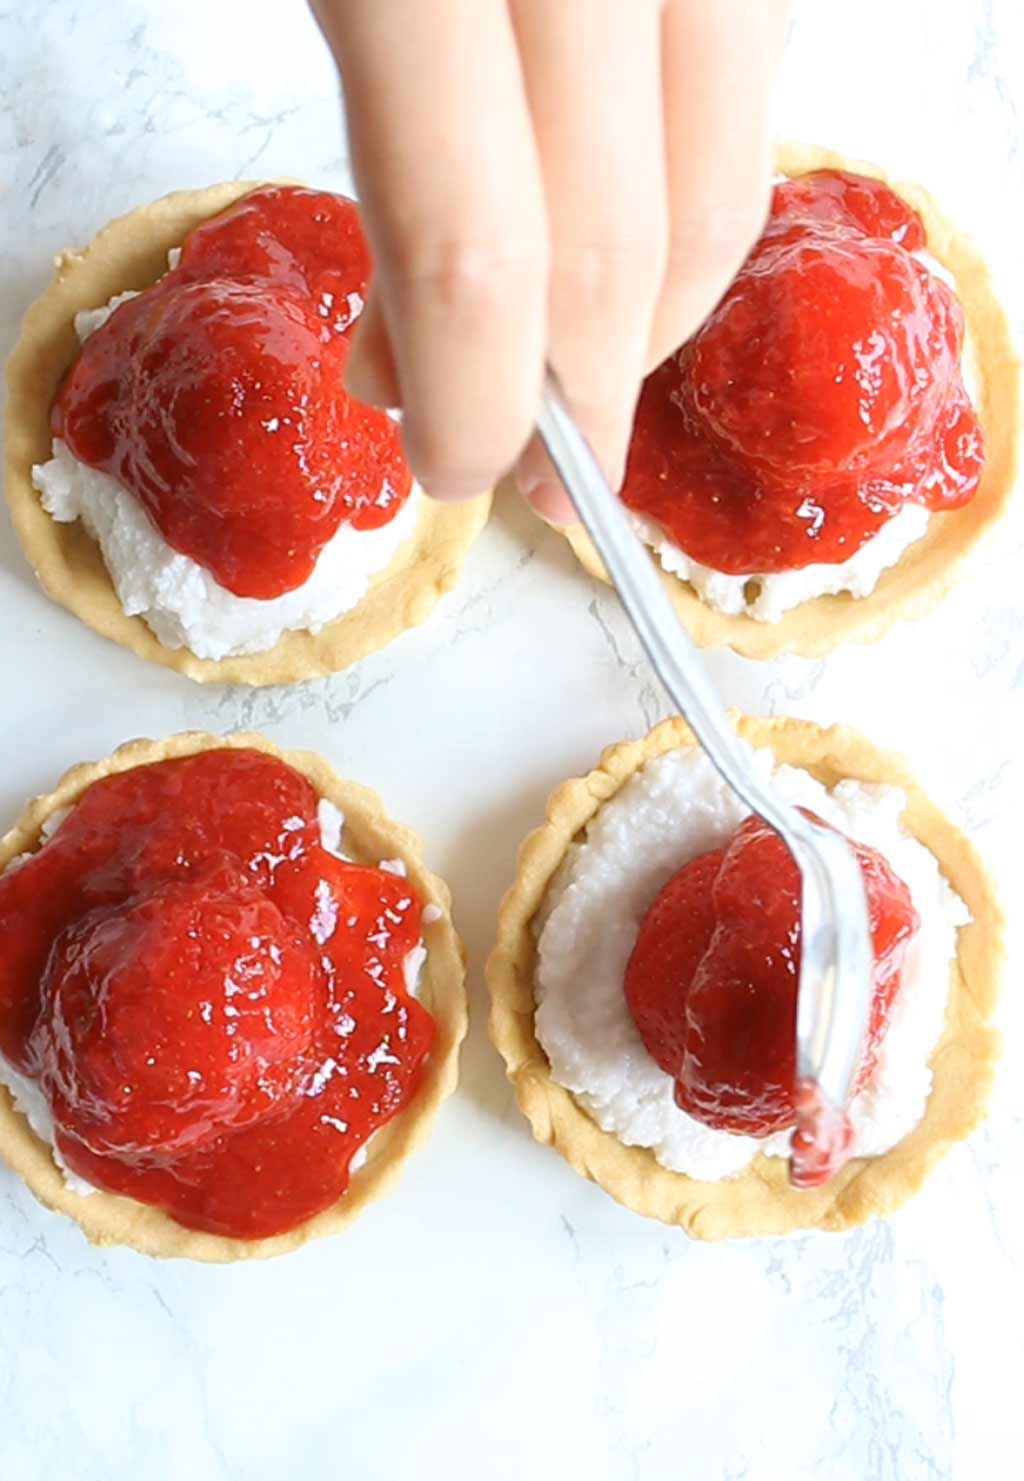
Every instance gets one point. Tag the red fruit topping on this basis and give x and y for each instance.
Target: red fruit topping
(216, 395)
(214, 1005)
(823, 393)
(823, 1138)
(712, 981)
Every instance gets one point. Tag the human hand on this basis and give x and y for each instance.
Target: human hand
(573, 180)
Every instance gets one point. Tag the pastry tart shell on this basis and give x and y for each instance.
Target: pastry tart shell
(759, 1200)
(131, 253)
(930, 567)
(369, 836)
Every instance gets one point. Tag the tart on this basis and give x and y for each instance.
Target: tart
(211, 996)
(827, 475)
(144, 400)
(746, 1192)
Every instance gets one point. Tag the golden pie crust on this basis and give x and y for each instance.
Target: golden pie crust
(928, 568)
(132, 253)
(369, 836)
(758, 1201)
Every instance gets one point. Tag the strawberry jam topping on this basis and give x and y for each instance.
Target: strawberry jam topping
(712, 981)
(216, 395)
(213, 1004)
(822, 395)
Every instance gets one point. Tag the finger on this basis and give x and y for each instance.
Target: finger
(720, 63)
(370, 373)
(541, 486)
(448, 175)
(593, 78)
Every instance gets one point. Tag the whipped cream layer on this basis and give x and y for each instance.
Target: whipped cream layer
(767, 596)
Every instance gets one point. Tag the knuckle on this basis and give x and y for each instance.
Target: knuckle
(593, 273)
(715, 242)
(472, 275)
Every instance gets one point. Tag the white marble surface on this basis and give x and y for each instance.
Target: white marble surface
(498, 1316)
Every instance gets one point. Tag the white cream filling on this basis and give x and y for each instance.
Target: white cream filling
(767, 595)
(28, 1095)
(177, 597)
(673, 809)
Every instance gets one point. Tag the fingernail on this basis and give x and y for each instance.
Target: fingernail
(452, 488)
(549, 499)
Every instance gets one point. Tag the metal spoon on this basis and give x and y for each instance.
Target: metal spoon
(836, 957)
